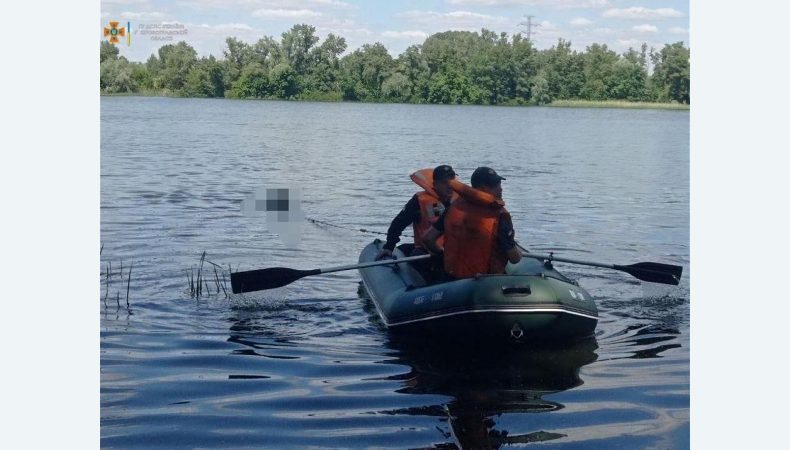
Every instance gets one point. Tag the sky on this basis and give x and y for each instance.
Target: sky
(204, 24)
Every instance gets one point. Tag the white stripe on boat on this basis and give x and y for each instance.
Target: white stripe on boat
(490, 310)
(468, 311)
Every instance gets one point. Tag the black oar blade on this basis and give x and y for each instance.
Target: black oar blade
(262, 279)
(654, 272)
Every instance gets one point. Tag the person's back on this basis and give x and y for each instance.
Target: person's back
(478, 230)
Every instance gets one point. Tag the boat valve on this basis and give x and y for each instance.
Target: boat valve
(516, 332)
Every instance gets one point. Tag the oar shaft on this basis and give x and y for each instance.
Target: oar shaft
(374, 263)
(568, 260)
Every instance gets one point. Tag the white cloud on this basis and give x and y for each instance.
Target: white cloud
(332, 3)
(124, 2)
(581, 22)
(285, 13)
(604, 31)
(547, 26)
(455, 20)
(562, 4)
(678, 30)
(645, 28)
(229, 27)
(265, 4)
(639, 12)
(625, 44)
(408, 34)
(145, 15)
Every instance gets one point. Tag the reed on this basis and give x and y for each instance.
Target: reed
(224, 286)
(616, 104)
(200, 275)
(197, 283)
(107, 284)
(128, 283)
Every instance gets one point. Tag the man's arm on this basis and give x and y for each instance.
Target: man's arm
(429, 239)
(408, 215)
(506, 239)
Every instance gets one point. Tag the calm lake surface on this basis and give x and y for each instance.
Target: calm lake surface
(310, 365)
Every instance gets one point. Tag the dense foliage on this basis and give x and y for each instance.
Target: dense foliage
(457, 67)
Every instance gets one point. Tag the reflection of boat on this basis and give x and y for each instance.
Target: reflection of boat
(532, 301)
(485, 382)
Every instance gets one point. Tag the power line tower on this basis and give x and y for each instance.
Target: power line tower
(529, 26)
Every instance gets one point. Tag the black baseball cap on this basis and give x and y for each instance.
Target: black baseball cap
(485, 176)
(443, 172)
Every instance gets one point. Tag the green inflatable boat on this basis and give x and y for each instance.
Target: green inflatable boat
(531, 302)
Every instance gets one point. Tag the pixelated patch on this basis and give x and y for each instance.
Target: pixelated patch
(282, 208)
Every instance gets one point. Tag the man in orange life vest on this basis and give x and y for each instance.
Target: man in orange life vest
(478, 231)
(421, 211)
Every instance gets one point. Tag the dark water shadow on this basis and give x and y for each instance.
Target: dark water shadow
(485, 382)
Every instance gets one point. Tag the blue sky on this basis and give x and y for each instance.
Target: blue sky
(398, 24)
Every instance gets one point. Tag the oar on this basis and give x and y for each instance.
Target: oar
(274, 277)
(645, 271)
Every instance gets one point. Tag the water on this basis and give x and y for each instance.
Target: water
(309, 365)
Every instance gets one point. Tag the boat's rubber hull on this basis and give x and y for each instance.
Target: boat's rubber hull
(531, 302)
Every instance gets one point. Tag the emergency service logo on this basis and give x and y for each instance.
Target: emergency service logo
(113, 33)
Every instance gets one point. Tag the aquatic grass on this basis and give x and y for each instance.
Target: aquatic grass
(616, 104)
(107, 285)
(108, 275)
(128, 283)
(200, 282)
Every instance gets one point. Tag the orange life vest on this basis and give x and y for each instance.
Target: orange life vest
(431, 208)
(470, 231)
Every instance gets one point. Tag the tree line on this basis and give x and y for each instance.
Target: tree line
(452, 67)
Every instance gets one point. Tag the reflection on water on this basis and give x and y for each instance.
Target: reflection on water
(484, 383)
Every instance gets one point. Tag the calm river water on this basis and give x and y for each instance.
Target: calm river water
(310, 365)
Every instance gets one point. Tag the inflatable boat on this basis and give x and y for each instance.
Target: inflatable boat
(530, 302)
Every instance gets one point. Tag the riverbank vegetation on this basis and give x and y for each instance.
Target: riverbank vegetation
(453, 67)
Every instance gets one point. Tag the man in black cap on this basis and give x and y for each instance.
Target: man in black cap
(421, 211)
(478, 232)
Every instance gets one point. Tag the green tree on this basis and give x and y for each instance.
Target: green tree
(539, 89)
(671, 75)
(396, 87)
(296, 44)
(253, 82)
(413, 66)
(283, 81)
(599, 64)
(115, 76)
(629, 77)
(205, 79)
(364, 71)
(525, 67)
(107, 51)
(141, 77)
(238, 54)
(454, 88)
(324, 73)
(564, 70)
(176, 62)
(492, 69)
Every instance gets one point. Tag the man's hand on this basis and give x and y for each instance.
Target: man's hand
(384, 253)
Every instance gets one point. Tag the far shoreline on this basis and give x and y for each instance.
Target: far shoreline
(612, 104)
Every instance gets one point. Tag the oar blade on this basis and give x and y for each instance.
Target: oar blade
(262, 279)
(654, 272)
